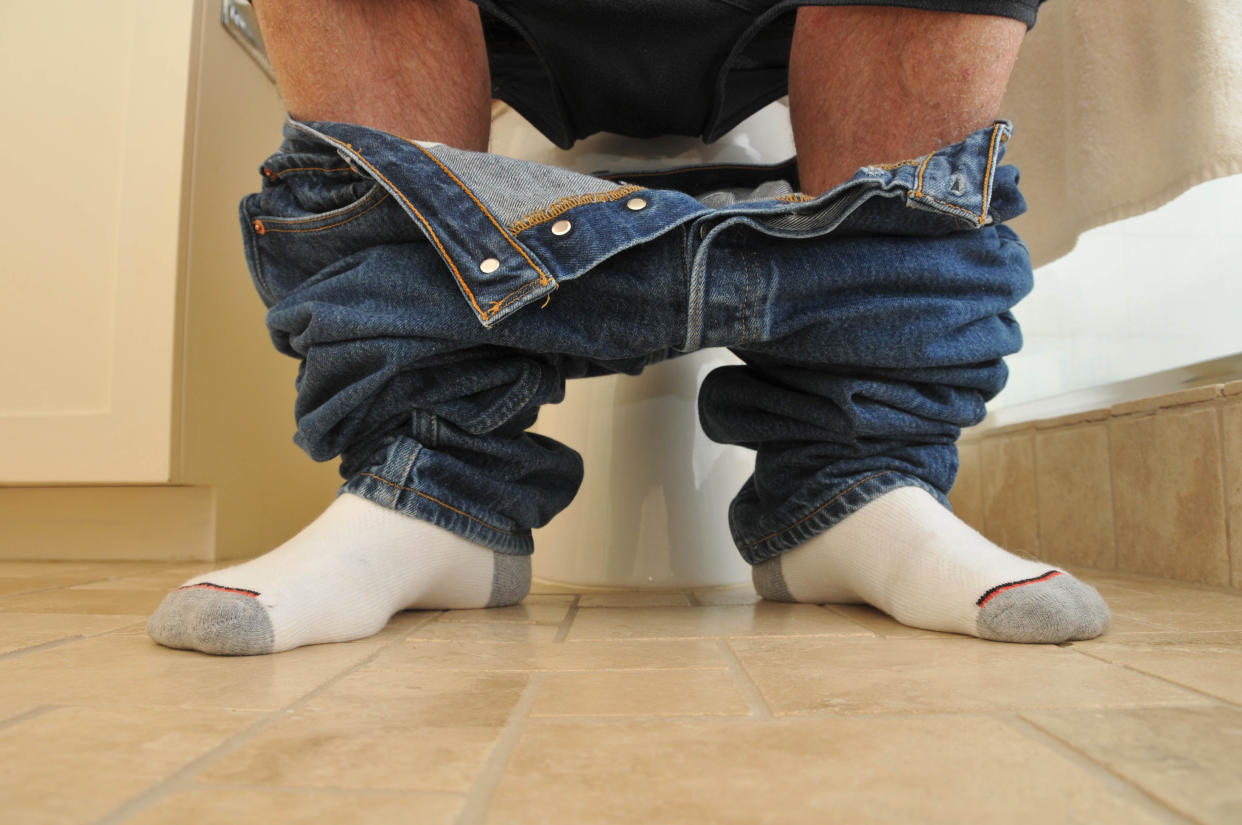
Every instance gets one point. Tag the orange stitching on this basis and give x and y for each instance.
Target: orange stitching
(888, 167)
(409, 468)
(796, 197)
(427, 225)
(815, 511)
(514, 295)
(322, 228)
(568, 202)
(951, 205)
(441, 503)
(344, 210)
(918, 184)
(987, 178)
(273, 175)
(543, 276)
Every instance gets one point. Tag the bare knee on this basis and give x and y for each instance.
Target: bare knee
(416, 68)
(874, 84)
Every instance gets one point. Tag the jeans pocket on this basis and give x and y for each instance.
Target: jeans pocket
(313, 211)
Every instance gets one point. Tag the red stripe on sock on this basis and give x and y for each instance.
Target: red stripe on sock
(1001, 588)
(209, 586)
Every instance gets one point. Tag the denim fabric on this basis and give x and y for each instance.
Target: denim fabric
(437, 298)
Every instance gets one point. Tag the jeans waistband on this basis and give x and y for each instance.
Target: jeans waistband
(510, 230)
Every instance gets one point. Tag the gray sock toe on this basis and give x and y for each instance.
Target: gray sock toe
(213, 621)
(1047, 611)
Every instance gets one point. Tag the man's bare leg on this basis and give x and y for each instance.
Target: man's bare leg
(873, 85)
(416, 68)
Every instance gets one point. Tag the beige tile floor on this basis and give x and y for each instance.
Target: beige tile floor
(710, 707)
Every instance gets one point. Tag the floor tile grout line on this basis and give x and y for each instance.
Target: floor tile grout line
(533, 670)
(1160, 628)
(743, 682)
(868, 636)
(54, 643)
(1132, 790)
(76, 584)
(323, 789)
(1133, 582)
(562, 629)
(1197, 691)
(1172, 631)
(968, 713)
(63, 640)
(50, 589)
(603, 719)
(24, 716)
(667, 719)
(832, 609)
(183, 777)
(479, 796)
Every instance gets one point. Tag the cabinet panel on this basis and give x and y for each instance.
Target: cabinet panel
(95, 98)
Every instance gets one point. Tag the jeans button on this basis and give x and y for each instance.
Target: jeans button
(489, 266)
(635, 204)
(561, 228)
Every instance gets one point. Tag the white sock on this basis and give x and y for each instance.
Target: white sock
(909, 556)
(341, 578)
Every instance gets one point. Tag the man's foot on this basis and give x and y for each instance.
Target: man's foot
(910, 557)
(341, 578)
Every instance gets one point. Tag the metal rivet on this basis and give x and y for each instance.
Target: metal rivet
(489, 266)
(561, 228)
(634, 204)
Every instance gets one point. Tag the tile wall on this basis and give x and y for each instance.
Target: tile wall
(1151, 487)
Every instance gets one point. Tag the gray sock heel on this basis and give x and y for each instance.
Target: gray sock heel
(511, 581)
(769, 581)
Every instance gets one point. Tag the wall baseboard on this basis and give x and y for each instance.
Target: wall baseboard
(93, 523)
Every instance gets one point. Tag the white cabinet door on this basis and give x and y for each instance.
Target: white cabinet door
(94, 101)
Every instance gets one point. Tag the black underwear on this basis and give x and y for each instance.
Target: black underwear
(645, 68)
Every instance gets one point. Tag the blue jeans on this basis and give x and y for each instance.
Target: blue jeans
(437, 298)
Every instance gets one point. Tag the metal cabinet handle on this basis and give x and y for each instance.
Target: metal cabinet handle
(239, 18)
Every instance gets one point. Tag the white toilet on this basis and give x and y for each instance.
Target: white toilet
(651, 513)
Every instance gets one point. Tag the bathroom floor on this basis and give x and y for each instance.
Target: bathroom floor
(709, 706)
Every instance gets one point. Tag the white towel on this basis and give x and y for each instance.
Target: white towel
(1119, 106)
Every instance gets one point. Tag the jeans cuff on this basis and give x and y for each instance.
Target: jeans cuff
(795, 522)
(393, 485)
